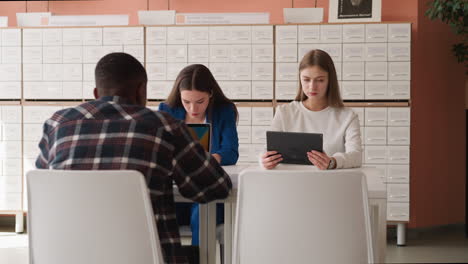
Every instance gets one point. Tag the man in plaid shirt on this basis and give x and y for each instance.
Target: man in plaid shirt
(117, 132)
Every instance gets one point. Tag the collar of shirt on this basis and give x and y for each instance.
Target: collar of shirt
(115, 99)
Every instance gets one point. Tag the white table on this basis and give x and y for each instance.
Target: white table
(377, 201)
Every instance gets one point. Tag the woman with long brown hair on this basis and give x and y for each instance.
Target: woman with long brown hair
(196, 97)
(318, 108)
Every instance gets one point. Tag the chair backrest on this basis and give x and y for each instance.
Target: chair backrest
(93, 217)
(302, 217)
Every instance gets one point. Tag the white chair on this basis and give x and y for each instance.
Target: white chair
(92, 217)
(302, 217)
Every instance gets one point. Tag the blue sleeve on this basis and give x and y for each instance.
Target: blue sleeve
(163, 107)
(229, 149)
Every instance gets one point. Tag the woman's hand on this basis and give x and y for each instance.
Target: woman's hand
(271, 159)
(217, 157)
(319, 159)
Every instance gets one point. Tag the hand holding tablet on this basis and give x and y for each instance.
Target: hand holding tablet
(292, 147)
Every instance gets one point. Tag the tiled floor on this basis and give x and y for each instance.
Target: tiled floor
(446, 244)
(436, 245)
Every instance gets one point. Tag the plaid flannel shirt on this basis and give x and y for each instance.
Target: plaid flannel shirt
(108, 134)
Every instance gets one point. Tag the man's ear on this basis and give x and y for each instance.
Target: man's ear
(141, 94)
(95, 92)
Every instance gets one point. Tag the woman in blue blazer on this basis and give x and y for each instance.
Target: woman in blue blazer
(197, 98)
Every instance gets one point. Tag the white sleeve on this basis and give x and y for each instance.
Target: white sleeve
(352, 157)
(277, 122)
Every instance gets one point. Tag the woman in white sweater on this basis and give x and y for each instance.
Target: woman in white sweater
(318, 108)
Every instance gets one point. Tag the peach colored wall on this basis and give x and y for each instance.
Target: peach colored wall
(275, 8)
(38, 6)
(438, 123)
(10, 9)
(406, 8)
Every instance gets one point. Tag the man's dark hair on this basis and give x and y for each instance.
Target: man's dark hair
(118, 73)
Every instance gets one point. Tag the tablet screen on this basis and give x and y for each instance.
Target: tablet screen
(202, 134)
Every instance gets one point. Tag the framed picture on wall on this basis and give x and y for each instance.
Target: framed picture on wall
(343, 11)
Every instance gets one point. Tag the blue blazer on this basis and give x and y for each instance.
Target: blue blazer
(224, 140)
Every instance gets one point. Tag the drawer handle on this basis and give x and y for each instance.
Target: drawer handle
(376, 37)
(375, 120)
(398, 139)
(263, 75)
(370, 158)
(377, 56)
(312, 38)
(264, 38)
(398, 215)
(353, 56)
(399, 74)
(376, 74)
(288, 38)
(398, 120)
(400, 94)
(399, 36)
(375, 139)
(354, 37)
(332, 38)
(398, 158)
(396, 178)
(240, 75)
(354, 94)
(376, 94)
(398, 196)
(399, 56)
(354, 75)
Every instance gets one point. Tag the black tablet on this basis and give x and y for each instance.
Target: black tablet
(294, 146)
(202, 134)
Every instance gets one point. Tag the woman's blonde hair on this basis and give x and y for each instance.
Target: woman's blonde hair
(321, 59)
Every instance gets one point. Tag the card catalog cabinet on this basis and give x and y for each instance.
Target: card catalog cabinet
(255, 65)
